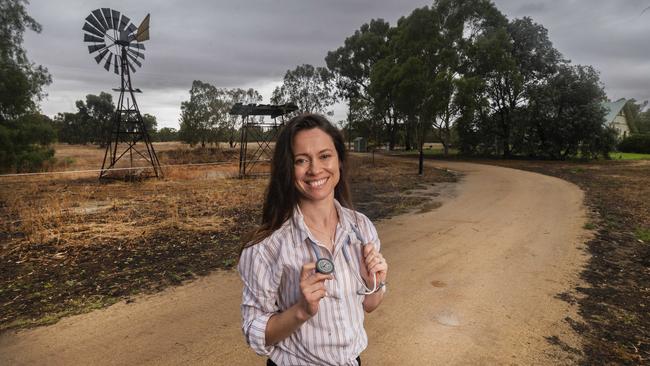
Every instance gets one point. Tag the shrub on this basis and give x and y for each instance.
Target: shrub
(637, 143)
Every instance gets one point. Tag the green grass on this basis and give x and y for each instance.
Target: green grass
(427, 152)
(629, 156)
(453, 152)
(643, 234)
(589, 226)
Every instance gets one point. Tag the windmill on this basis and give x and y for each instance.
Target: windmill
(117, 44)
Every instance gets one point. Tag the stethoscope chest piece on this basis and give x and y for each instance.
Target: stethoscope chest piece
(324, 266)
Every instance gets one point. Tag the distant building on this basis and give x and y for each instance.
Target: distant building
(616, 117)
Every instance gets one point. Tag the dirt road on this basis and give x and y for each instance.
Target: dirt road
(473, 282)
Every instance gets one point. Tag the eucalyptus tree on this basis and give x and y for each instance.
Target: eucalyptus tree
(430, 49)
(510, 61)
(352, 65)
(202, 114)
(311, 88)
(95, 117)
(231, 123)
(565, 116)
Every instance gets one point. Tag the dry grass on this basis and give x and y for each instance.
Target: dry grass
(70, 243)
(90, 157)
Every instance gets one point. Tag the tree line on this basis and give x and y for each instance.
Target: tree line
(457, 71)
(93, 121)
(205, 117)
(462, 70)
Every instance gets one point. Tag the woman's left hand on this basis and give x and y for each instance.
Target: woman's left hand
(374, 262)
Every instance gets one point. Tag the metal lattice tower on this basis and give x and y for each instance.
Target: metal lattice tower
(117, 41)
(263, 133)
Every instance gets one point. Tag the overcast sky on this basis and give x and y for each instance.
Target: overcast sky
(252, 43)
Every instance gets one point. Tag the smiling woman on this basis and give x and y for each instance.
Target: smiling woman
(313, 267)
(316, 167)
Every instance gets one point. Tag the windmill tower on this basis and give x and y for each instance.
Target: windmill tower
(117, 43)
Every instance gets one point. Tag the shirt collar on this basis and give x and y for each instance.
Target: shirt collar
(298, 223)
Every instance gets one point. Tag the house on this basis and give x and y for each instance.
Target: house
(616, 117)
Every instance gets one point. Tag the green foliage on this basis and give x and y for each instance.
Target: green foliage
(24, 133)
(150, 123)
(310, 88)
(90, 124)
(564, 117)
(632, 111)
(22, 82)
(205, 118)
(643, 122)
(510, 61)
(165, 134)
(24, 143)
(351, 65)
(637, 143)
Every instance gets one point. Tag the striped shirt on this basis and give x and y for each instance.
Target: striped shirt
(270, 271)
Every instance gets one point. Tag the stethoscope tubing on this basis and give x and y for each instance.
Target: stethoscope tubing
(365, 290)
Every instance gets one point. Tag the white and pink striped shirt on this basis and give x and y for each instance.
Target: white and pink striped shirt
(271, 270)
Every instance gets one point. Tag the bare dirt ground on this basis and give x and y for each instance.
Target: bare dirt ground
(473, 282)
(615, 301)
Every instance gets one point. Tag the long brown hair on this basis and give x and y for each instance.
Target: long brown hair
(281, 194)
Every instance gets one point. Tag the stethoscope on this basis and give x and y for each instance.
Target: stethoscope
(326, 266)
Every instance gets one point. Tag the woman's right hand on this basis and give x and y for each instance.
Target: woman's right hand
(312, 288)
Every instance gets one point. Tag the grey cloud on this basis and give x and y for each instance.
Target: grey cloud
(249, 43)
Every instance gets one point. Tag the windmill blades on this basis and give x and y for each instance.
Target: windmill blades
(99, 16)
(131, 67)
(116, 18)
(131, 28)
(88, 28)
(137, 45)
(107, 65)
(124, 21)
(96, 47)
(108, 17)
(134, 59)
(101, 55)
(106, 28)
(136, 53)
(91, 19)
(91, 38)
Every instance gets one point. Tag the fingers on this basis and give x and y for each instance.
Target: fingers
(312, 284)
(309, 274)
(373, 259)
(307, 270)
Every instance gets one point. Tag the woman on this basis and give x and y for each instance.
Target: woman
(291, 313)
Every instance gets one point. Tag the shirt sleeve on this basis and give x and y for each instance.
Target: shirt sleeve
(258, 272)
(369, 231)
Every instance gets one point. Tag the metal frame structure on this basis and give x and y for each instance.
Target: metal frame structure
(257, 130)
(113, 39)
(128, 127)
